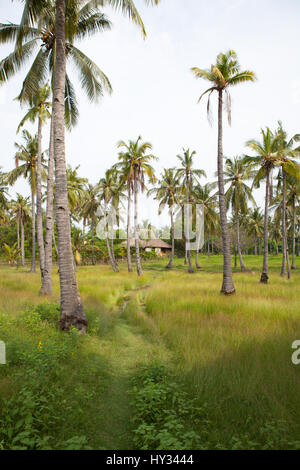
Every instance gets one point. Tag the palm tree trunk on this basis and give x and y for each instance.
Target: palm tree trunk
(294, 232)
(228, 286)
(243, 269)
(46, 288)
(18, 231)
(265, 277)
(255, 244)
(129, 263)
(189, 255)
(113, 251)
(208, 244)
(22, 242)
(54, 244)
(39, 214)
(93, 243)
(111, 258)
(72, 313)
(137, 246)
(169, 266)
(284, 239)
(32, 270)
(235, 256)
(197, 250)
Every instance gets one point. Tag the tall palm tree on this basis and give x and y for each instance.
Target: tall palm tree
(39, 109)
(134, 166)
(267, 157)
(223, 75)
(27, 153)
(109, 193)
(188, 176)
(167, 193)
(20, 208)
(237, 171)
(203, 195)
(89, 209)
(288, 166)
(293, 198)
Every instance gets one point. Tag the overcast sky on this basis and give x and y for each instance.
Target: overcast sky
(155, 94)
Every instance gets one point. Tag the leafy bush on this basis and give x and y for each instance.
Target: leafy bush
(165, 415)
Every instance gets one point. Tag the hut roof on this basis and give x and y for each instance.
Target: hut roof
(153, 243)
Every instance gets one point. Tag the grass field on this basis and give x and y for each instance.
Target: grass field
(230, 357)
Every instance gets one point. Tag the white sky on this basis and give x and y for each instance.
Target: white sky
(155, 94)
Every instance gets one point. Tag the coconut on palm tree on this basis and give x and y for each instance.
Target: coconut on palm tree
(223, 75)
(134, 166)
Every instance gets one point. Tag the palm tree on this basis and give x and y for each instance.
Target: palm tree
(188, 176)
(256, 225)
(237, 171)
(3, 190)
(288, 166)
(39, 109)
(293, 195)
(89, 209)
(266, 159)
(20, 208)
(223, 75)
(109, 192)
(134, 166)
(12, 253)
(28, 154)
(202, 195)
(167, 193)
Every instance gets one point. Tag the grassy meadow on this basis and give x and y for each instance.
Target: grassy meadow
(212, 372)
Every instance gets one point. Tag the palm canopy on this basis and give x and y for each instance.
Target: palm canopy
(20, 208)
(236, 172)
(203, 195)
(39, 107)
(225, 73)
(110, 187)
(256, 221)
(134, 163)
(26, 153)
(167, 190)
(83, 19)
(273, 151)
(187, 173)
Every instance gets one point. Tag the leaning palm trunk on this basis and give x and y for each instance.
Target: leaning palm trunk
(284, 237)
(169, 266)
(129, 263)
(294, 233)
(265, 277)
(228, 286)
(111, 257)
(113, 250)
(72, 313)
(22, 243)
(39, 214)
(32, 270)
(136, 237)
(243, 269)
(46, 288)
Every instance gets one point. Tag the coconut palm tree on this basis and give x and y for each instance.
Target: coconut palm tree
(20, 208)
(293, 199)
(203, 195)
(3, 190)
(134, 166)
(39, 109)
(239, 194)
(90, 204)
(267, 157)
(255, 223)
(167, 193)
(27, 153)
(109, 193)
(188, 177)
(224, 74)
